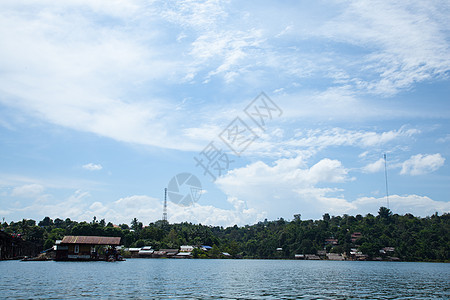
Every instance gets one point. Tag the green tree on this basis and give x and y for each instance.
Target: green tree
(214, 252)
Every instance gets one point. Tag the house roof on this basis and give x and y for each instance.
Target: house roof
(169, 250)
(134, 249)
(92, 240)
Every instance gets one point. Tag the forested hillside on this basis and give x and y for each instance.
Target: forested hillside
(413, 238)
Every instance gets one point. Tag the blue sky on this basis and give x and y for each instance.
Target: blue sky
(103, 102)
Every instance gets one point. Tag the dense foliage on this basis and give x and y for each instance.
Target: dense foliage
(414, 238)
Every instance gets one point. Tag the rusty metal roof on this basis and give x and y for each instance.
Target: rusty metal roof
(92, 240)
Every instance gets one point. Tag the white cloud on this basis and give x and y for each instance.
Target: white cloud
(106, 80)
(444, 139)
(374, 167)
(343, 137)
(200, 15)
(364, 154)
(57, 182)
(275, 143)
(83, 80)
(327, 170)
(92, 167)
(148, 209)
(408, 40)
(229, 48)
(72, 207)
(27, 191)
(253, 202)
(287, 187)
(4, 212)
(413, 204)
(422, 164)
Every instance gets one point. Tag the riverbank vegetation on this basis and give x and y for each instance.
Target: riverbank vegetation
(410, 238)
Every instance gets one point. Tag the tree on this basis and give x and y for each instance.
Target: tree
(48, 244)
(384, 213)
(136, 225)
(214, 252)
(46, 222)
(196, 253)
(414, 238)
(58, 223)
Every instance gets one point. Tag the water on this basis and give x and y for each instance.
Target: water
(224, 279)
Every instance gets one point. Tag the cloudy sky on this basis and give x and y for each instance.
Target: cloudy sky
(103, 102)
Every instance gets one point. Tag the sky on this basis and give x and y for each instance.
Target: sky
(273, 108)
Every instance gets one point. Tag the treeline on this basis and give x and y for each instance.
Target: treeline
(413, 238)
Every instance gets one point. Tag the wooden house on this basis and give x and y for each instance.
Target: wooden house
(86, 248)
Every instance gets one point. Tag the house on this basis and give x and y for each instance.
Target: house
(170, 252)
(361, 256)
(86, 248)
(146, 251)
(335, 256)
(205, 248)
(357, 255)
(165, 253)
(184, 255)
(13, 246)
(312, 257)
(387, 250)
(299, 256)
(186, 248)
(355, 236)
(159, 254)
(331, 241)
(134, 252)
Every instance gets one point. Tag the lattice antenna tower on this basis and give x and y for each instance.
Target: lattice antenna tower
(385, 175)
(165, 205)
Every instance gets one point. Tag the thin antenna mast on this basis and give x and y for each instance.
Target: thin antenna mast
(385, 175)
(165, 205)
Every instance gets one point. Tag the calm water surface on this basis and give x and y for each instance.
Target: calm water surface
(224, 279)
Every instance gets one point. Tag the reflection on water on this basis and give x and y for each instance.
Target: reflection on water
(213, 279)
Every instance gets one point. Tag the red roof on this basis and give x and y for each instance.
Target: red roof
(92, 240)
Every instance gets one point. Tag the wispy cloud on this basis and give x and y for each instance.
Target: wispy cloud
(374, 167)
(172, 74)
(406, 41)
(422, 164)
(82, 80)
(309, 141)
(92, 167)
(28, 190)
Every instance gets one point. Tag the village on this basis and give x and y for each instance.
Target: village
(386, 237)
(101, 248)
